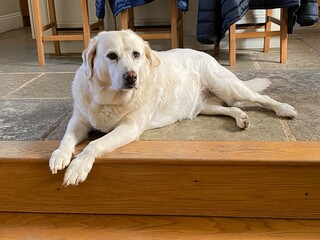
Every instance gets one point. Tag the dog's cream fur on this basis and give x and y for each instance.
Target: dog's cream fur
(169, 86)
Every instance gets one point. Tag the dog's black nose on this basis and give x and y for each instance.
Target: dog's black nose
(130, 78)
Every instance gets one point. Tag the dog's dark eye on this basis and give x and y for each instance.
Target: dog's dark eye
(112, 56)
(136, 54)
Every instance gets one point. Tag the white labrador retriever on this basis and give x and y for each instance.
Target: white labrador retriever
(124, 88)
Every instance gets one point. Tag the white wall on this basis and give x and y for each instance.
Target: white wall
(10, 16)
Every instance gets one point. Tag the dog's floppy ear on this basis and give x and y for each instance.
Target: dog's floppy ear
(151, 56)
(88, 56)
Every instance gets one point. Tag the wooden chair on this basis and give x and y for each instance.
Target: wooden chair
(266, 34)
(174, 31)
(55, 37)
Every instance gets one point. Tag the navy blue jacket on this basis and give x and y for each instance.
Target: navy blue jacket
(216, 16)
(119, 5)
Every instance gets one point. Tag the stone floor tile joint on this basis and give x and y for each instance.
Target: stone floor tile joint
(287, 130)
(46, 135)
(23, 85)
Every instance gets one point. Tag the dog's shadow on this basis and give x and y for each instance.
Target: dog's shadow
(257, 116)
(95, 134)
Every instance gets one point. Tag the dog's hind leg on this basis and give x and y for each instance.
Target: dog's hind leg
(281, 109)
(241, 117)
(237, 91)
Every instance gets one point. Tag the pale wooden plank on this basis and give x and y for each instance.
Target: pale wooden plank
(232, 45)
(266, 43)
(219, 152)
(48, 26)
(53, 19)
(280, 179)
(85, 23)
(63, 38)
(174, 151)
(153, 189)
(257, 34)
(85, 227)
(38, 31)
(283, 36)
(275, 21)
(149, 36)
(125, 19)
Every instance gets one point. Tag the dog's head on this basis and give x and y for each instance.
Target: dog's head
(119, 59)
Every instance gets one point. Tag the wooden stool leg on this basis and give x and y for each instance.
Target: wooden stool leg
(101, 25)
(174, 17)
(180, 28)
(266, 46)
(38, 31)
(284, 35)
(85, 22)
(216, 49)
(125, 19)
(53, 19)
(131, 19)
(232, 45)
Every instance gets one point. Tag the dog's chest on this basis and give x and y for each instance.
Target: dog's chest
(105, 117)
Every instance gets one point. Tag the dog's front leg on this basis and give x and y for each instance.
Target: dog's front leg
(75, 133)
(80, 167)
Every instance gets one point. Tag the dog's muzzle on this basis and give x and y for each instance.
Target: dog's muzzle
(130, 79)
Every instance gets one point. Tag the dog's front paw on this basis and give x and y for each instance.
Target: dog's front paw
(78, 170)
(286, 110)
(243, 121)
(59, 160)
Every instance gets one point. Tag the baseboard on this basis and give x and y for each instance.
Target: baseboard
(10, 21)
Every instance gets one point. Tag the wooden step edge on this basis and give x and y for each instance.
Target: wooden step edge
(128, 227)
(155, 178)
(174, 152)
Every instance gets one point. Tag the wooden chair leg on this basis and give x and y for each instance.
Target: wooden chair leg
(85, 22)
(101, 25)
(232, 45)
(284, 35)
(266, 46)
(180, 28)
(53, 19)
(125, 19)
(38, 31)
(216, 49)
(174, 18)
(131, 19)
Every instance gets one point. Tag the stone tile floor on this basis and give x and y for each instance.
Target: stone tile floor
(36, 103)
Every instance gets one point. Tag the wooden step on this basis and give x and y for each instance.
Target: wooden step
(88, 227)
(228, 179)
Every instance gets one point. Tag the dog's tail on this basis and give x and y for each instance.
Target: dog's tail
(258, 84)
